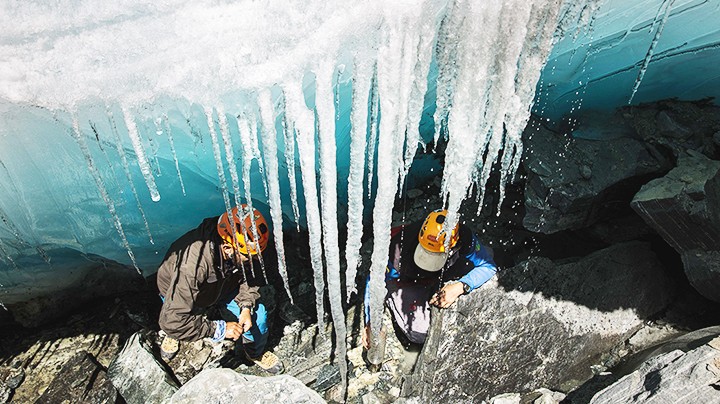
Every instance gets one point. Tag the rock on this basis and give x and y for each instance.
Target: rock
(138, 376)
(684, 208)
(328, 376)
(12, 376)
(692, 377)
(10, 379)
(548, 396)
(572, 183)
(81, 380)
(226, 386)
(539, 323)
(506, 398)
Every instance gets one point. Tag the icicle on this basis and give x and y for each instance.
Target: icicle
(256, 151)
(232, 168)
(219, 166)
(101, 187)
(248, 156)
(289, 139)
(140, 154)
(393, 58)
(536, 49)
(417, 69)
(168, 130)
(269, 142)
(126, 168)
(374, 122)
(446, 55)
(303, 121)
(362, 82)
(667, 4)
(328, 190)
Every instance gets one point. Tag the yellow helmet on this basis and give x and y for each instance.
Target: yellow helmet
(432, 235)
(430, 253)
(250, 246)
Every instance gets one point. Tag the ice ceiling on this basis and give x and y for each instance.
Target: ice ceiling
(123, 125)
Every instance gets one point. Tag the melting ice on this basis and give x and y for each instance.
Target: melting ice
(177, 97)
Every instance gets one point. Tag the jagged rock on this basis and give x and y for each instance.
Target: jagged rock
(138, 376)
(677, 125)
(539, 323)
(10, 379)
(328, 376)
(571, 183)
(673, 377)
(81, 380)
(684, 207)
(226, 386)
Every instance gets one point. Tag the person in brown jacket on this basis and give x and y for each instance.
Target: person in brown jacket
(210, 266)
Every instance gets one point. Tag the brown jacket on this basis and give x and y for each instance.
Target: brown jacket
(193, 276)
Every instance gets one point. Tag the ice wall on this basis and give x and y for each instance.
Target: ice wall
(598, 68)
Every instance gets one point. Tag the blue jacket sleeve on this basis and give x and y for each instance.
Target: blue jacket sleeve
(390, 274)
(485, 267)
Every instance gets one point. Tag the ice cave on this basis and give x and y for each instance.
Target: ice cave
(580, 140)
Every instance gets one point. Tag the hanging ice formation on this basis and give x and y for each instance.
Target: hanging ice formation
(488, 55)
(269, 140)
(101, 188)
(665, 10)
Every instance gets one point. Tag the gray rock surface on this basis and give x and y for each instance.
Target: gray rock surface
(81, 380)
(684, 208)
(227, 386)
(138, 376)
(539, 324)
(10, 379)
(571, 183)
(673, 377)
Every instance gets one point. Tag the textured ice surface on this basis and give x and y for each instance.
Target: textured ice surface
(145, 83)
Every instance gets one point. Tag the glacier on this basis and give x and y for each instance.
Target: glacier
(123, 126)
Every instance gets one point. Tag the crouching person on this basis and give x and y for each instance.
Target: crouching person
(208, 266)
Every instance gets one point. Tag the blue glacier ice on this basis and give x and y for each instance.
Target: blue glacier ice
(105, 145)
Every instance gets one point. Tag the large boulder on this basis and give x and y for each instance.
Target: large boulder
(573, 182)
(539, 324)
(673, 377)
(227, 386)
(138, 375)
(81, 380)
(684, 208)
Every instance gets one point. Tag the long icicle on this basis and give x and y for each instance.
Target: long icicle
(171, 141)
(328, 190)
(219, 166)
(651, 51)
(303, 121)
(140, 154)
(101, 187)
(248, 156)
(269, 142)
(289, 139)
(126, 169)
(374, 122)
(362, 81)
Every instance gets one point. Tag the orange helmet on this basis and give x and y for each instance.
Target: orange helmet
(244, 220)
(432, 235)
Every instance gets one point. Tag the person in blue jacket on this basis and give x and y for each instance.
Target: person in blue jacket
(421, 272)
